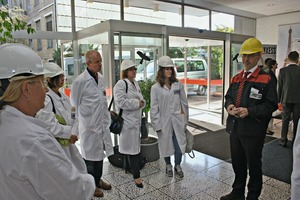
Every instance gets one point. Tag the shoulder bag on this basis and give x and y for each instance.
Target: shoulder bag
(116, 119)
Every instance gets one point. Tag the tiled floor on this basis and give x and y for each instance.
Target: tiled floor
(205, 178)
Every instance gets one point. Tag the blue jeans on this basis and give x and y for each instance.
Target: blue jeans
(177, 153)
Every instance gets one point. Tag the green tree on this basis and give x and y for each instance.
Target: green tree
(223, 28)
(11, 20)
(217, 55)
(56, 55)
(176, 52)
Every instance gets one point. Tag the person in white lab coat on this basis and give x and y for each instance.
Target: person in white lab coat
(295, 179)
(33, 164)
(57, 113)
(88, 96)
(132, 103)
(169, 114)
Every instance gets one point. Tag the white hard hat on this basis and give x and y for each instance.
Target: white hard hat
(165, 61)
(126, 64)
(54, 69)
(17, 59)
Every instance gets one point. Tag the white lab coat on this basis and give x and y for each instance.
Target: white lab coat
(46, 115)
(169, 112)
(295, 179)
(129, 142)
(62, 106)
(33, 164)
(92, 112)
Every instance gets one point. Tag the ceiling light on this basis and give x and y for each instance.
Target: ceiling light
(155, 7)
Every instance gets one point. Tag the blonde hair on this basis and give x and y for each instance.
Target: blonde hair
(13, 92)
(124, 74)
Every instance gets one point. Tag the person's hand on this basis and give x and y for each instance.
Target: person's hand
(231, 109)
(73, 139)
(242, 112)
(141, 104)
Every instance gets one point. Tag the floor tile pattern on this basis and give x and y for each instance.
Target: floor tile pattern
(205, 178)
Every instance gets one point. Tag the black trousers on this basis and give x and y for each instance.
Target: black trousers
(246, 153)
(288, 109)
(132, 164)
(95, 169)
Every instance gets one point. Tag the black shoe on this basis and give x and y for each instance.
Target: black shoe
(282, 143)
(139, 185)
(233, 196)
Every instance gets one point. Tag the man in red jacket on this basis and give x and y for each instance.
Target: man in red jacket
(250, 101)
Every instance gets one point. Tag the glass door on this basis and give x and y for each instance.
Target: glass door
(144, 50)
(199, 66)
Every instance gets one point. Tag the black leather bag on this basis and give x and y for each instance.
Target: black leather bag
(119, 160)
(117, 121)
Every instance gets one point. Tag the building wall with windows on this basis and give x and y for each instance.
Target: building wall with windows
(41, 15)
(50, 15)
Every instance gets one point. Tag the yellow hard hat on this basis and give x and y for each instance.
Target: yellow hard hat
(250, 46)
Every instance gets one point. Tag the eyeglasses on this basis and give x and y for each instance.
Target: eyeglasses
(43, 82)
(132, 69)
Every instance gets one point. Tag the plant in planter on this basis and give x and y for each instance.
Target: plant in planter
(145, 89)
(149, 145)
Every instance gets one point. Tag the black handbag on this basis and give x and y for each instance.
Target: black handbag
(121, 160)
(117, 121)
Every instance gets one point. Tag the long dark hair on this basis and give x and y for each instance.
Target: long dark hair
(161, 79)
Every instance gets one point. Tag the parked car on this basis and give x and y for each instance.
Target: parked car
(196, 69)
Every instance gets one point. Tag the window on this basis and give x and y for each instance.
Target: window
(192, 65)
(39, 41)
(222, 22)
(196, 18)
(49, 28)
(199, 66)
(28, 6)
(179, 66)
(70, 69)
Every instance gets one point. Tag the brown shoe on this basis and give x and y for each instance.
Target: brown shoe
(98, 193)
(103, 185)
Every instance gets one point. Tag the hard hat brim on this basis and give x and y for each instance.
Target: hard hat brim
(19, 76)
(129, 66)
(166, 66)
